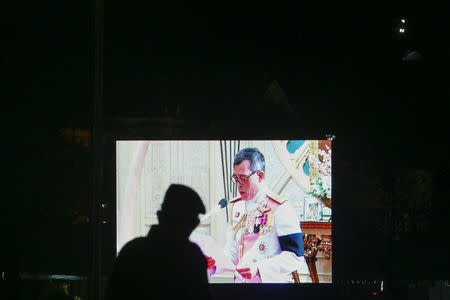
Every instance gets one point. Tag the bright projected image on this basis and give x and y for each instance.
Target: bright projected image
(267, 203)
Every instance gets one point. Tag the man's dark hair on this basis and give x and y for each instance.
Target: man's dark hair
(257, 162)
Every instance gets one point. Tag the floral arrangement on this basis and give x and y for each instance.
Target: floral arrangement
(321, 187)
(323, 165)
(320, 190)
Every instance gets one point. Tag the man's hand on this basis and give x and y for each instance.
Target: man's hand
(248, 271)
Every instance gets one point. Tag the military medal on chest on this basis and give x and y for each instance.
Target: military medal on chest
(258, 221)
(262, 247)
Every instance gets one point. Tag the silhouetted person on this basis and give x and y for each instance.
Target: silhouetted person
(165, 264)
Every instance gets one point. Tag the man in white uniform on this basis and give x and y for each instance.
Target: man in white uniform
(265, 240)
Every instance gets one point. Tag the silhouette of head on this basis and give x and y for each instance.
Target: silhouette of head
(180, 209)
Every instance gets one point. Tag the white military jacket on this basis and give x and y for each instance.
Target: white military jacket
(265, 231)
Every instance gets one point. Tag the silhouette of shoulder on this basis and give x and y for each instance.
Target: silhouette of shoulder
(164, 264)
(153, 266)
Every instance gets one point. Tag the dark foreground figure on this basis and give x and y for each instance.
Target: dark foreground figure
(164, 264)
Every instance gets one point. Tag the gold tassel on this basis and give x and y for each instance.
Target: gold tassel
(239, 225)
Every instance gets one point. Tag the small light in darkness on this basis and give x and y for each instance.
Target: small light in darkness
(402, 30)
(403, 21)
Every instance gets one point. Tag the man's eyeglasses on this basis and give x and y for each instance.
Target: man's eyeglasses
(241, 179)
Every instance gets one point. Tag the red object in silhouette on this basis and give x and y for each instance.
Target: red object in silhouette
(211, 262)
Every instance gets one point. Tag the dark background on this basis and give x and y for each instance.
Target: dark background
(202, 70)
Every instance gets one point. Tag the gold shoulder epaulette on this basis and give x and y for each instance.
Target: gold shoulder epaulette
(234, 199)
(275, 197)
